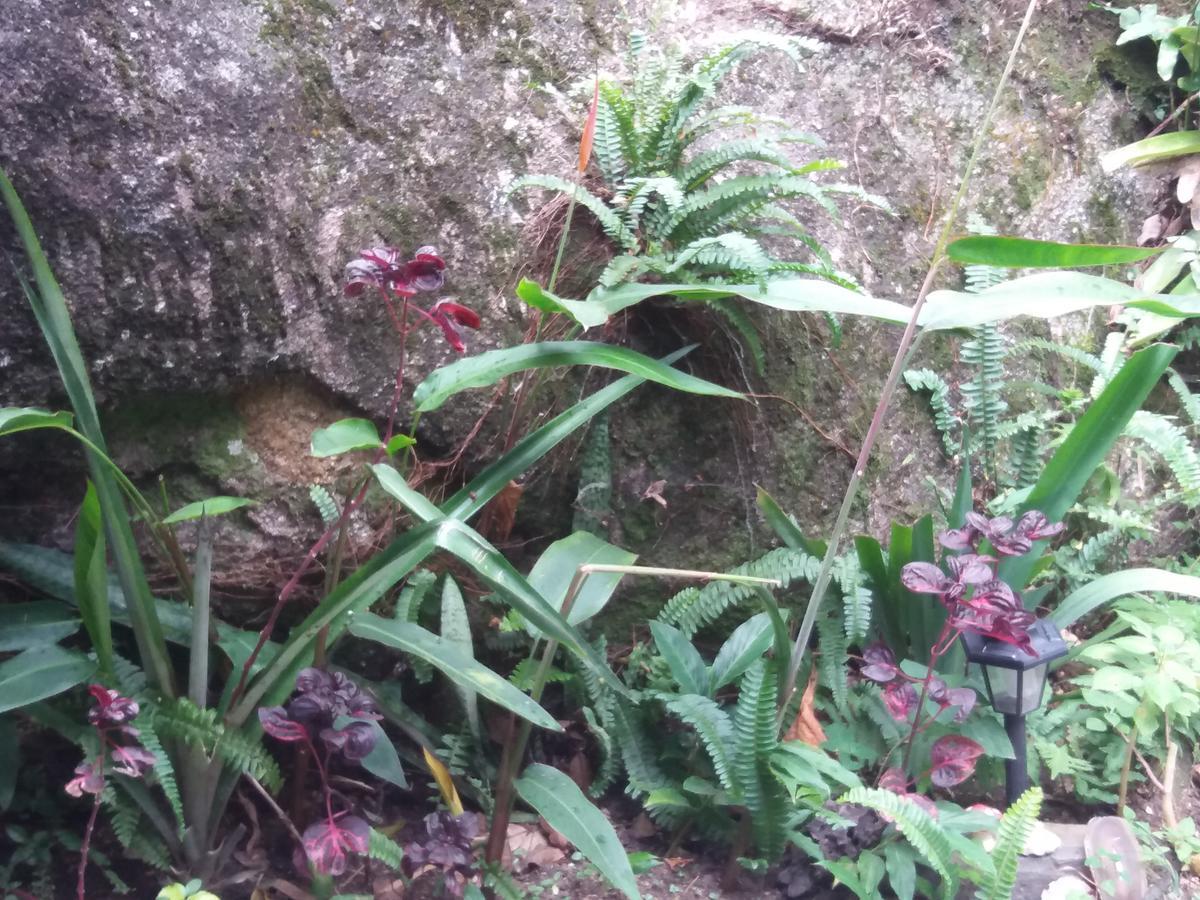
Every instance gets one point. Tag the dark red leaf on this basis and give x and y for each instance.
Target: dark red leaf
(89, 779)
(962, 698)
(132, 761)
(894, 780)
(880, 663)
(924, 578)
(276, 723)
(959, 538)
(900, 698)
(953, 760)
(327, 843)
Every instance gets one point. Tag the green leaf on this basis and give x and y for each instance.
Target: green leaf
(684, 660)
(1026, 253)
(54, 318)
(456, 629)
(555, 569)
(1106, 588)
(484, 486)
(487, 368)
(91, 578)
(41, 672)
(18, 418)
(559, 801)
(901, 868)
(788, 294)
(443, 655)
(785, 526)
(748, 642)
(383, 761)
(37, 624)
(1086, 447)
(399, 442)
(1152, 149)
(346, 435)
(201, 509)
(10, 760)
(1045, 295)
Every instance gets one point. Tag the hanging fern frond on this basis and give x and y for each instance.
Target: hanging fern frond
(856, 598)
(139, 841)
(615, 141)
(927, 837)
(610, 758)
(740, 320)
(164, 771)
(944, 419)
(593, 499)
(609, 220)
(831, 664)
(1066, 351)
(982, 394)
(1173, 444)
(325, 504)
(693, 608)
(722, 206)
(1112, 358)
(1014, 830)
(1025, 460)
(707, 164)
(1189, 400)
(413, 594)
(732, 252)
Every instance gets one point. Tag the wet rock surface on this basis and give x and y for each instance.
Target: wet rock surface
(200, 172)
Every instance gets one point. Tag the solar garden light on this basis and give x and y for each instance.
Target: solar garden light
(1016, 683)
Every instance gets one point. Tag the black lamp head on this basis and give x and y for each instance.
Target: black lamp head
(1015, 679)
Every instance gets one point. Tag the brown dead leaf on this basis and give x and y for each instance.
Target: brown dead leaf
(806, 728)
(496, 523)
(654, 492)
(526, 848)
(643, 827)
(387, 888)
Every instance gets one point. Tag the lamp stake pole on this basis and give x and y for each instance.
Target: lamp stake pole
(1016, 770)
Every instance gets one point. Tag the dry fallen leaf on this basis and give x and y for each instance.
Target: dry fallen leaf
(526, 848)
(654, 492)
(806, 728)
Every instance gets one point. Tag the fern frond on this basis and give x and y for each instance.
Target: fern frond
(608, 219)
(944, 419)
(182, 720)
(164, 771)
(739, 319)
(831, 664)
(693, 608)
(1026, 456)
(1172, 443)
(1112, 358)
(1066, 351)
(593, 499)
(382, 848)
(720, 206)
(615, 140)
(610, 759)
(1188, 400)
(755, 739)
(856, 598)
(1014, 830)
(413, 594)
(325, 504)
(926, 836)
(126, 820)
(732, 252)
(982, 394)
(712, 724)
(707, 164)
(640, 757)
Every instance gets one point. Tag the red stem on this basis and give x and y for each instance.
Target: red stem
(400, 323)
(91, 826)
(934, 655)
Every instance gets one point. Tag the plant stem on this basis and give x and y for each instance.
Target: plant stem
(1123, 785)
(934, 656)
(889, 387)
(84, 848)
(198, 658)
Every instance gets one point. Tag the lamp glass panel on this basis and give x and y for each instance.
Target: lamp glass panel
(1015, 692)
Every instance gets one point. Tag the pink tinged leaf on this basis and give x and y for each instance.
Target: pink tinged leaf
(425, 272)
(971, 568)
(327, 843)
(953, 760)
(925, 803)
(894, 780)
(880, 663)
(964, 701)
(132, 761)
(979, 523)
(449, 316)
(354, 742)
(924, 578)
(89, 779)
(958, 538)
(275, 722)
(900, 698)
(1035, 526)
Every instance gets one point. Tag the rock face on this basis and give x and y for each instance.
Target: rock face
(201, 170)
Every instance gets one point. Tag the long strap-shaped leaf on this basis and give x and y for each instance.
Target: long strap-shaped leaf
(54, 318)
(1086, 446)
(487, 368)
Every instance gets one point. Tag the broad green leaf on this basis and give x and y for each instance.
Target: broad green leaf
(35, 624)
(412, 500)
(1026, 253)
(1086, 446)
(456, 629)
(1152, 149)
(555, 569)
(54, 319)
(399, 442)
(343, 436)
(10, 760)
(748, 642)
(383, 761)
(1044, 295)
(558, 800)
(213, 506)
(788, 294)
(901, 862)
(682, 658)
(17, 418)
(41, 672)
(487, 368)
(785, 526)
(91, 578)
(452, 662)
(1107, 588)
(1115, 678)
(484, 486)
